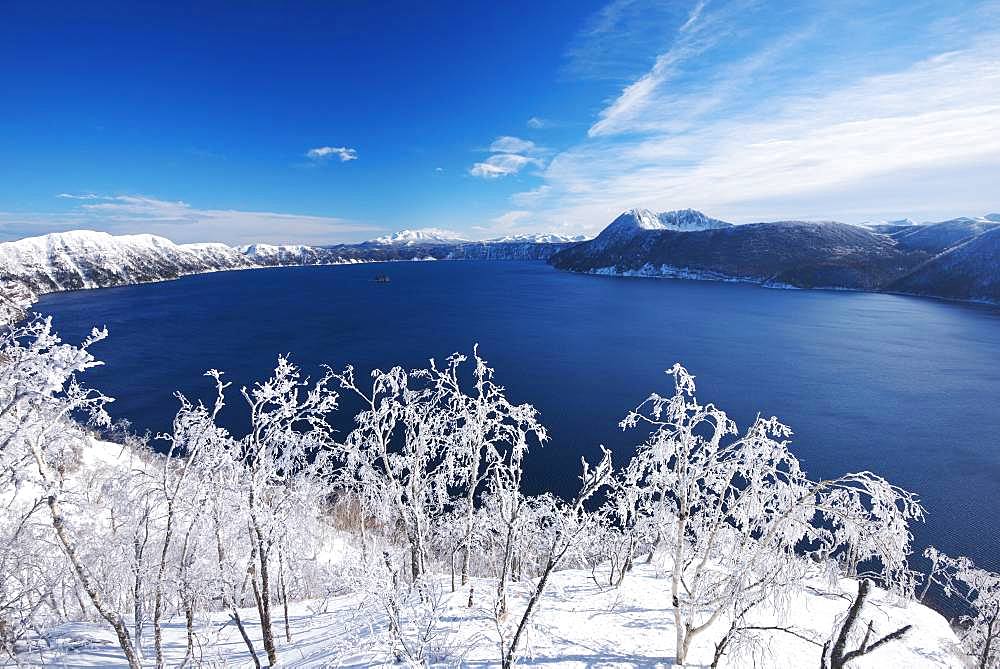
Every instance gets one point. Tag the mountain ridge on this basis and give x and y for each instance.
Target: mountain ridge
(953, 259)
(83, 259)
(798, 254)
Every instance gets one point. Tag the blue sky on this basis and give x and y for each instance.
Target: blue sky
(318, 122)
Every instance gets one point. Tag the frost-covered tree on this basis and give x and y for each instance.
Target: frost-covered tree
(399, 453)
(979, 590)
(735, 511)
(282, 457)
(569, 524)
(40, 398)
(490, 436)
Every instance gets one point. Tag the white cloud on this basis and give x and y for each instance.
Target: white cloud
(181, 222)
(699, 33)
(531, 197)
(695, 14)
(500, 165)
(619, 39)
(510, 156)
(508, 144)
(71, 196)
(510, 219)
(537, 123)
(323, 153)
(921, 139)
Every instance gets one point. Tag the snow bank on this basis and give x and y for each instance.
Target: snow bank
(579, 625)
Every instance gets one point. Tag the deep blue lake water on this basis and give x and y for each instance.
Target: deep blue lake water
(906, 387)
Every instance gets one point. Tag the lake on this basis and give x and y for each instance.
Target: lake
(906, 387)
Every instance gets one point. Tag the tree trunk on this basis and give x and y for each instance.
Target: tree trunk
(189, 629)
(158, 596)
(137, 611)
(284, 594)
(226, 600)
(467, 540)
(262, 593)
(246, 638)
(838, 656)
(680, 627)
(510, 655)
(82, 573)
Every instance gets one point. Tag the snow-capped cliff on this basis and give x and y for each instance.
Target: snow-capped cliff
(88, 259)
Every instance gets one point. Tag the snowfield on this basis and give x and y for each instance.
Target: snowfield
(582, 622)
(579, 625)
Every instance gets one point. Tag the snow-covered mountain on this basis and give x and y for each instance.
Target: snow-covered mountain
(87, 259)
(678, 243)
(938, 237)
(803, 254)
(440, 237)
(968, 270)
(423, 236)
(538, 238)
(643, 224)
(689, 220)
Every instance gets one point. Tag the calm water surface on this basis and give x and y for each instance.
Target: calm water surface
(906, 387)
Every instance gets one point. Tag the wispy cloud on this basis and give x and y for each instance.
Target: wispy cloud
(695, 14)
(751, 121)
(71, 196)
(698, 34)
(537, 123)
(508, 144)
(181, 222)
(325, 153)
(622, 39)
(510, 156)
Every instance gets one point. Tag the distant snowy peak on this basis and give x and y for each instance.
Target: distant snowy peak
(682, 220)
(689, 220)
(265, 250)
(537, 238)
(641, 222)
(992, 217)
(898, 223)
(421, 236)
(437, 236)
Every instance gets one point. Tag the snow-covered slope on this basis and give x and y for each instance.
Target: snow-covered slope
(88, 259)
(268, 255)
(938, 237)
(541, 238)
(637, 225)
(967, 271)
(689, 220)
(579, 624)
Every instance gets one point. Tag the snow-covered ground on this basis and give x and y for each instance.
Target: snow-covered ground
(579, 625)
